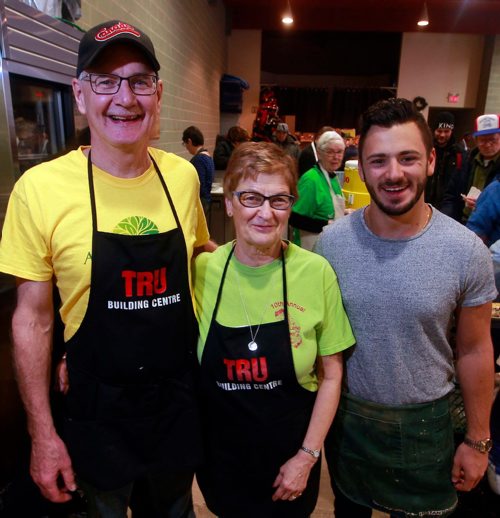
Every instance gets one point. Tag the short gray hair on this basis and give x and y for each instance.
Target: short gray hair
(327, 137)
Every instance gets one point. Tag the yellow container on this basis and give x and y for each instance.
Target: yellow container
(354, 189)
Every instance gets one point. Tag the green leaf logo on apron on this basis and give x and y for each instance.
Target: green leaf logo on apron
(136, 226)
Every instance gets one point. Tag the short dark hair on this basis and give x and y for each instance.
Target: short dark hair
(391, 112)
(250, 159)
(236, 134)
(193, 133)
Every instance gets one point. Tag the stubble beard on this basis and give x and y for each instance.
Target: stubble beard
(398, 210)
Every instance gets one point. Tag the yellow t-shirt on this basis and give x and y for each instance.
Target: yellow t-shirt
(48, 227)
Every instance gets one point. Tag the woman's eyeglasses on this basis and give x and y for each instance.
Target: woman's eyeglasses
(253, 200)
(332, 152)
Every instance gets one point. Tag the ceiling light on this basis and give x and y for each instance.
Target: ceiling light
(287, 17)
(423, 20)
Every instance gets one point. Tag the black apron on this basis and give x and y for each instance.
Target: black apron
(131, 406)
(397, 459)
(255, 418)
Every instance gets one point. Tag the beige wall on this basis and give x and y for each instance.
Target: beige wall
(433, 65)
(244, 48)
(189, 37)
(493, 96)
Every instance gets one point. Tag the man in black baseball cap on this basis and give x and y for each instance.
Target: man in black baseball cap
(98, 38)
(450, 159)
(114, 226)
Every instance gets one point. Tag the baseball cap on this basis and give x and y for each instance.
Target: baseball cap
(487, 124)
(445, 120)
(95, 40)
(282, 126)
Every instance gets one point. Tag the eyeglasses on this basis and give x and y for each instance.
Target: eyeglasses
(109, 84)
(487, 139)
(253, 200)
(332, 152)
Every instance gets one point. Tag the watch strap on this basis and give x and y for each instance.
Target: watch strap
(313, 453)
(483, 446)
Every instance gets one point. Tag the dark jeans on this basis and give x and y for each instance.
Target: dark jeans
(155, 496)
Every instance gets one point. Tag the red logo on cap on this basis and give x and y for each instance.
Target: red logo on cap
(120, 28)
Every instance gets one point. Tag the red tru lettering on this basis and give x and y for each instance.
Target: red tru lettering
(145, 283)
(254, 369)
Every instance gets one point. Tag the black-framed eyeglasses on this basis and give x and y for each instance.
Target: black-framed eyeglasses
(253, 200)
(109, 84)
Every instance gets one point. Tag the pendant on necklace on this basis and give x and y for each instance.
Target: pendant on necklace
(252, 345)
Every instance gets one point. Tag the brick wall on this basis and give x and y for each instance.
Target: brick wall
(493, 96)
(190, 42)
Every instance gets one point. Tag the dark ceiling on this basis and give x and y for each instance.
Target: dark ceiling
(455, 16)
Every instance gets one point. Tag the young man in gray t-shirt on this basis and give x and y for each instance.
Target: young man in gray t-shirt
(407, 274)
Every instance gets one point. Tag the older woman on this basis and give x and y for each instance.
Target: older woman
(267, 311)
(321, 200)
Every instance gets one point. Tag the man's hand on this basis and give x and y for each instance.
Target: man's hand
(61, 378)
(469, 467)
(51, 469)
(470, 203)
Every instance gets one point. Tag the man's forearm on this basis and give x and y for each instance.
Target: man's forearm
(32, 324)
(475, 367)
(32, 336)
(475, 373)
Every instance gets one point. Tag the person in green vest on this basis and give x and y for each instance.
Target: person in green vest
(320, 196)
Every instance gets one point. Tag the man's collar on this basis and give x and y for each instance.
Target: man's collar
(486, 161)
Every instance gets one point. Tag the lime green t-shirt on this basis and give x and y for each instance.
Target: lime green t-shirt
(48, 227)
(317, 320)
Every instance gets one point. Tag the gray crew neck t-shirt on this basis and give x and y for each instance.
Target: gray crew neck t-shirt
(400, 296)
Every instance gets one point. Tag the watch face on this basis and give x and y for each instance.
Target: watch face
(487, 445)
(483, 446)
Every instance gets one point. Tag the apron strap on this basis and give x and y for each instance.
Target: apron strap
(285, 291)
(219, 293)
(338, 201)
(92, 192)
(226, 266)
(165, 188)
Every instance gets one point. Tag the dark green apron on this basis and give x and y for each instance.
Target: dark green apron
(397, 459)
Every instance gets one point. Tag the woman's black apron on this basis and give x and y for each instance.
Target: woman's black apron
(255, 418)
(130, 407)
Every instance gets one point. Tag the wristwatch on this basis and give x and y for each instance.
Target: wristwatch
(483, 446)
(314, 453)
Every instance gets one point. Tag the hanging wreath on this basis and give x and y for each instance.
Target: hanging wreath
(420, 103)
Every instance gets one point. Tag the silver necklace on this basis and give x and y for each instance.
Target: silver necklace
(252, 345)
